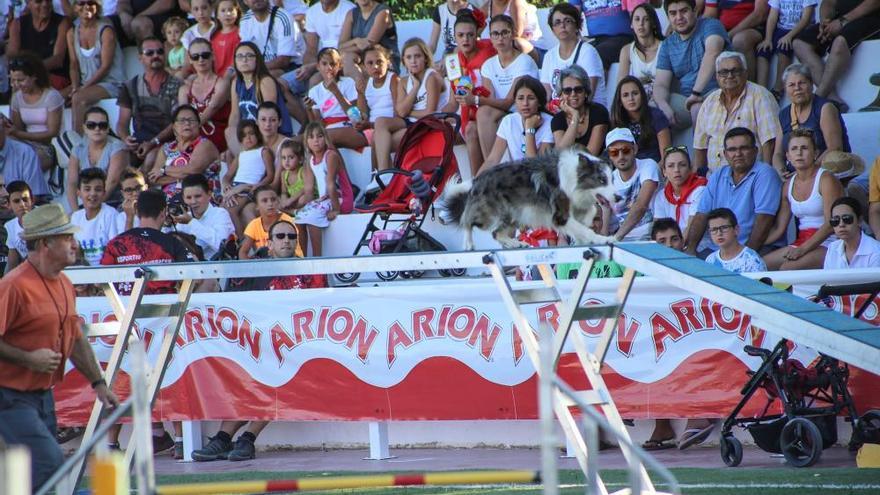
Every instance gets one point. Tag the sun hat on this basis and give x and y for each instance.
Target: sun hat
(45, 221)
(842, 164)
(620, 134)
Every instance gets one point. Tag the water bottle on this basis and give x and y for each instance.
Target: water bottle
(464, 86)
(354, 114)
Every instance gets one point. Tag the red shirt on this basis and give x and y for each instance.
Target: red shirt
(471, 67)
(223, 45)
(36, 313)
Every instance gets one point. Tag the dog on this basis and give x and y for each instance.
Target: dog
(557, 191)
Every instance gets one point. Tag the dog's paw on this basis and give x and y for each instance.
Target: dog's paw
(512, 243)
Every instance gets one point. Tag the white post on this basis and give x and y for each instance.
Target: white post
(379, 442)
(15, 470)
(192, 438)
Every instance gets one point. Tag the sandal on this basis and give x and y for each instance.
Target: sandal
(666, 443)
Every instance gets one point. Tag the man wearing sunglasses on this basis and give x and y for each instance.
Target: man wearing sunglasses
(146, 102)
(853, 248)
(635, 181)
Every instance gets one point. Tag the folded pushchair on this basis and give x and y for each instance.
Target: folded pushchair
(811, 398)
(425, 162)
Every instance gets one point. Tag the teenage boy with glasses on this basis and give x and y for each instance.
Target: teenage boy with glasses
(731, 255)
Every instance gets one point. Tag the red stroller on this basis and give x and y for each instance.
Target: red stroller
(424, 164)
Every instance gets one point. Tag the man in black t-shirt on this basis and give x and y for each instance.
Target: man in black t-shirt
(147, 244)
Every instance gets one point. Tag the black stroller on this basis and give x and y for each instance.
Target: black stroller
(811, 399)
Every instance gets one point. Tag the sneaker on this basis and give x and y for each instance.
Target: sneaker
(65, 435)
(217, 448)
(178, 450)
(243, 449)
(163, 443)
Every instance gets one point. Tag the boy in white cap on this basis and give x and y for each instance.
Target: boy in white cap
(635, 181)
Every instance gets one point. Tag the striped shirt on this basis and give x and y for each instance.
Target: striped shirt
(284, 40)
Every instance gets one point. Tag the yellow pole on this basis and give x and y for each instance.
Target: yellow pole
(109, 475)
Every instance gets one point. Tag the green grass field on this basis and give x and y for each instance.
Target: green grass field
(782, 481)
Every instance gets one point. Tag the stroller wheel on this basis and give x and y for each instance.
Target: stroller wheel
(387, 276)
(347, 278)
(731, 451)
(417, 273)
(458, 272)
(801, 442)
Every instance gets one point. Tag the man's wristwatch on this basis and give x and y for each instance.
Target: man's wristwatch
(156, 141)
(843, 20)
(532, 131)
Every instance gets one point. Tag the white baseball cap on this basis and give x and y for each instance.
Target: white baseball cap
(619, 134)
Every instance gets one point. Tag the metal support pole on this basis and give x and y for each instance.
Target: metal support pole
(379, 442)
(549, 474)
(142, 436)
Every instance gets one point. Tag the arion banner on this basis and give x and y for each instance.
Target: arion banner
(420, 352)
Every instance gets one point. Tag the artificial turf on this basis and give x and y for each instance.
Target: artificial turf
(694, 481)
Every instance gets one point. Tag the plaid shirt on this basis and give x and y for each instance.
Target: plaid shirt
(754, 109)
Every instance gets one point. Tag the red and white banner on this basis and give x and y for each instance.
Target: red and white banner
(434, 352)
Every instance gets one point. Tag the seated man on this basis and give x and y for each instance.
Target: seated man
(324, 21)
(211, 226)
(740, 103)
(731, 255)
(282, 244)
(688, 55)
(140, 19)
(744, 21)
(146, 102)
(18, 161)
(843, 24)
(635, 181)
(276, 32)
(750, 188)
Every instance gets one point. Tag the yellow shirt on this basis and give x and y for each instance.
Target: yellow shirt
(255, 231)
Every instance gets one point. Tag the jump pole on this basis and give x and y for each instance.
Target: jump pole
(342, 482)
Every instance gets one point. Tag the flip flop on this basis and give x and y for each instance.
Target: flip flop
(668, 443)
(695, 437)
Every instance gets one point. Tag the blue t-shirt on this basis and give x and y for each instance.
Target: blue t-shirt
(812, 123)
(745, 262)
(757, 193)
(604, 17)
(683, 57)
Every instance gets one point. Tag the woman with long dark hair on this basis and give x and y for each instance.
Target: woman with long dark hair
(648, 124)
(639, 58)
(35, 107)
(525, 133)
(253, 84)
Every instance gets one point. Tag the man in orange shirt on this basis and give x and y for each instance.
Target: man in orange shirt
(39, 331)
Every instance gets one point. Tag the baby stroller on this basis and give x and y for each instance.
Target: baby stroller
(423, 165)
(811, 399)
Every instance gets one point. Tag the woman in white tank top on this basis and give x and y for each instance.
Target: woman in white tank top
(807, 195)
(421, 93)
(639, 58)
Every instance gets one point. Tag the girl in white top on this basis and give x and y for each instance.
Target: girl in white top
(330, 101)
(817, 192)
(500, 73)
(526, 30)
(679, 198)
(525, 133)
(377, 95)
(419, 94)
(251, 168)
(566, 22)
(639, 58)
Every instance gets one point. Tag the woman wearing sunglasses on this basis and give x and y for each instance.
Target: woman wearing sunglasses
(580, 121)
(852, 249)
(808, 195)
(207, 92)
(99, 149)
(95, 59)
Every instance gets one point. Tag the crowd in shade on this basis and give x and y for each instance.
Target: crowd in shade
(226, 143)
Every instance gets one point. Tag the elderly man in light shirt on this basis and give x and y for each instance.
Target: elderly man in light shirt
(853, 248)
(739, 103)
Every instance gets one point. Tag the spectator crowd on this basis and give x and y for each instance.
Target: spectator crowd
(205, 159)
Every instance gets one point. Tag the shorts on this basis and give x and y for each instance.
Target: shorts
(777, 35)
(609, 47)
(804, 235)
(854, 32)
(297, 87)
(111, 88)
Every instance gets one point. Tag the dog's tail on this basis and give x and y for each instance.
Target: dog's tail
(453, 202)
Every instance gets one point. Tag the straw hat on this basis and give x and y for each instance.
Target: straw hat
(45, 221)
(842, 164)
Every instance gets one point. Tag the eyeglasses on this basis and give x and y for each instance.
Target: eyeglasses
(729, 72)
(200, 56)
(101, 126)
(846, 219)
(245, 56)
(624, 150)
(154, 52)
(288, 235)
(578, 90)
(187, 121)
(721, 229)
(670, 149)
(568, 21)
(129, 190)
(500, 34)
